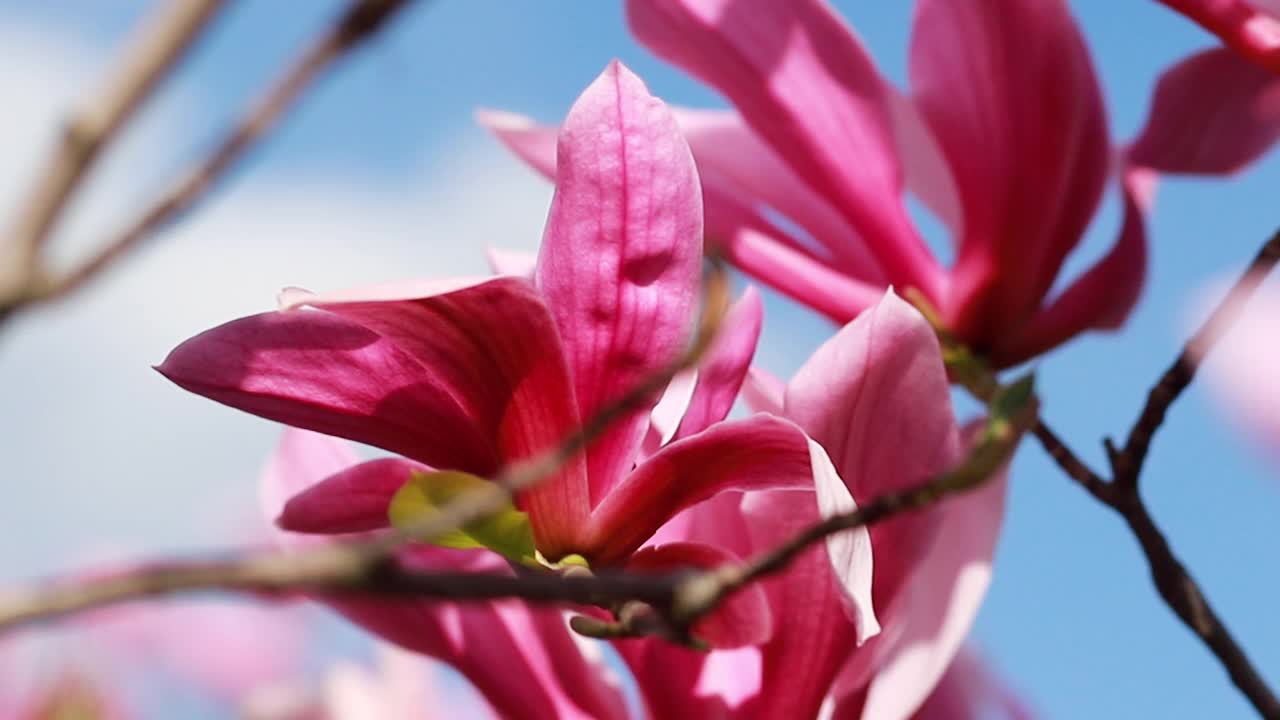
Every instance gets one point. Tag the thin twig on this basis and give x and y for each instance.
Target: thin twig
(361, 21)
(1127, 463)
(156, 49)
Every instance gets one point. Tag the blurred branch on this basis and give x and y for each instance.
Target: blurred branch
(156, 49)
(361, 21)
(665, 605)
(1121, 492)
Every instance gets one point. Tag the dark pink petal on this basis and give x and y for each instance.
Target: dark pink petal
(720, 376)
(876, 397)
(760, 452)
(325, 373)
(1250, 27)
(494, 347)
(804, 84)
(620, 259)
(1213, 113)
(737, 162)
(1103, 296)
(1008, 90)
(744, 620)
(355, 499)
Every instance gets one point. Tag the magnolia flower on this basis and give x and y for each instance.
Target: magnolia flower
(1003, 137)
(876, 395)
(472, 375)
(1250, 27)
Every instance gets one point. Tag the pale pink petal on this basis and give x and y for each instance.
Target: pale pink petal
(1103, 296)
(928, 175)
(1213, 113)
(664, 420)
(355, 499)
(325, 373)
(745, 619)
(942, 598)
(760, 452)
(971, 689)
(876, 397)
(804, 84)
(511, 262)
(494, 347)
(850, 551)
(620, 260)
(1250, 27)
(763, 391)
(1008, 90)
(721, 374)
(1242, 369)
(731, 157)
(531, 142)
(300, 460)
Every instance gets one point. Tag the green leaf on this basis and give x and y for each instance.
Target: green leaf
(506, 532)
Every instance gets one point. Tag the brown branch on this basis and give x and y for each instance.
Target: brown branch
(360, 22)
(156, 49)
(1121, 493)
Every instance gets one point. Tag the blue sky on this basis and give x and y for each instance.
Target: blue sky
(383, 173)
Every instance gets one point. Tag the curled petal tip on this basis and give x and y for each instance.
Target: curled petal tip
(292, 298)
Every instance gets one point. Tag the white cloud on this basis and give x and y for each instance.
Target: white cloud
(100, 449)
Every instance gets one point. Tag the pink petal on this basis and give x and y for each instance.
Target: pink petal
(761, 452)
(721, 374)
(928, 175)
(494, 347)
(1250, 27)
(850, 551)
(876, 397)
(1241, 370)
(804, 84)
(321, 372)
(1102, 297)
(764, 251)
(763, 391)
(745, 619)
(665, 417)
(355, 499)
(1213, 113)
(970, 689)
(620, 260)
(531, 142)
(733, 159)
(1007, 88)
(815, 635)
(944, 592)
(300, 460)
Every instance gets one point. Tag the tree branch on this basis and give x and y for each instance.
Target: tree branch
(361, 21)
(156, 49)
(1121, 493)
